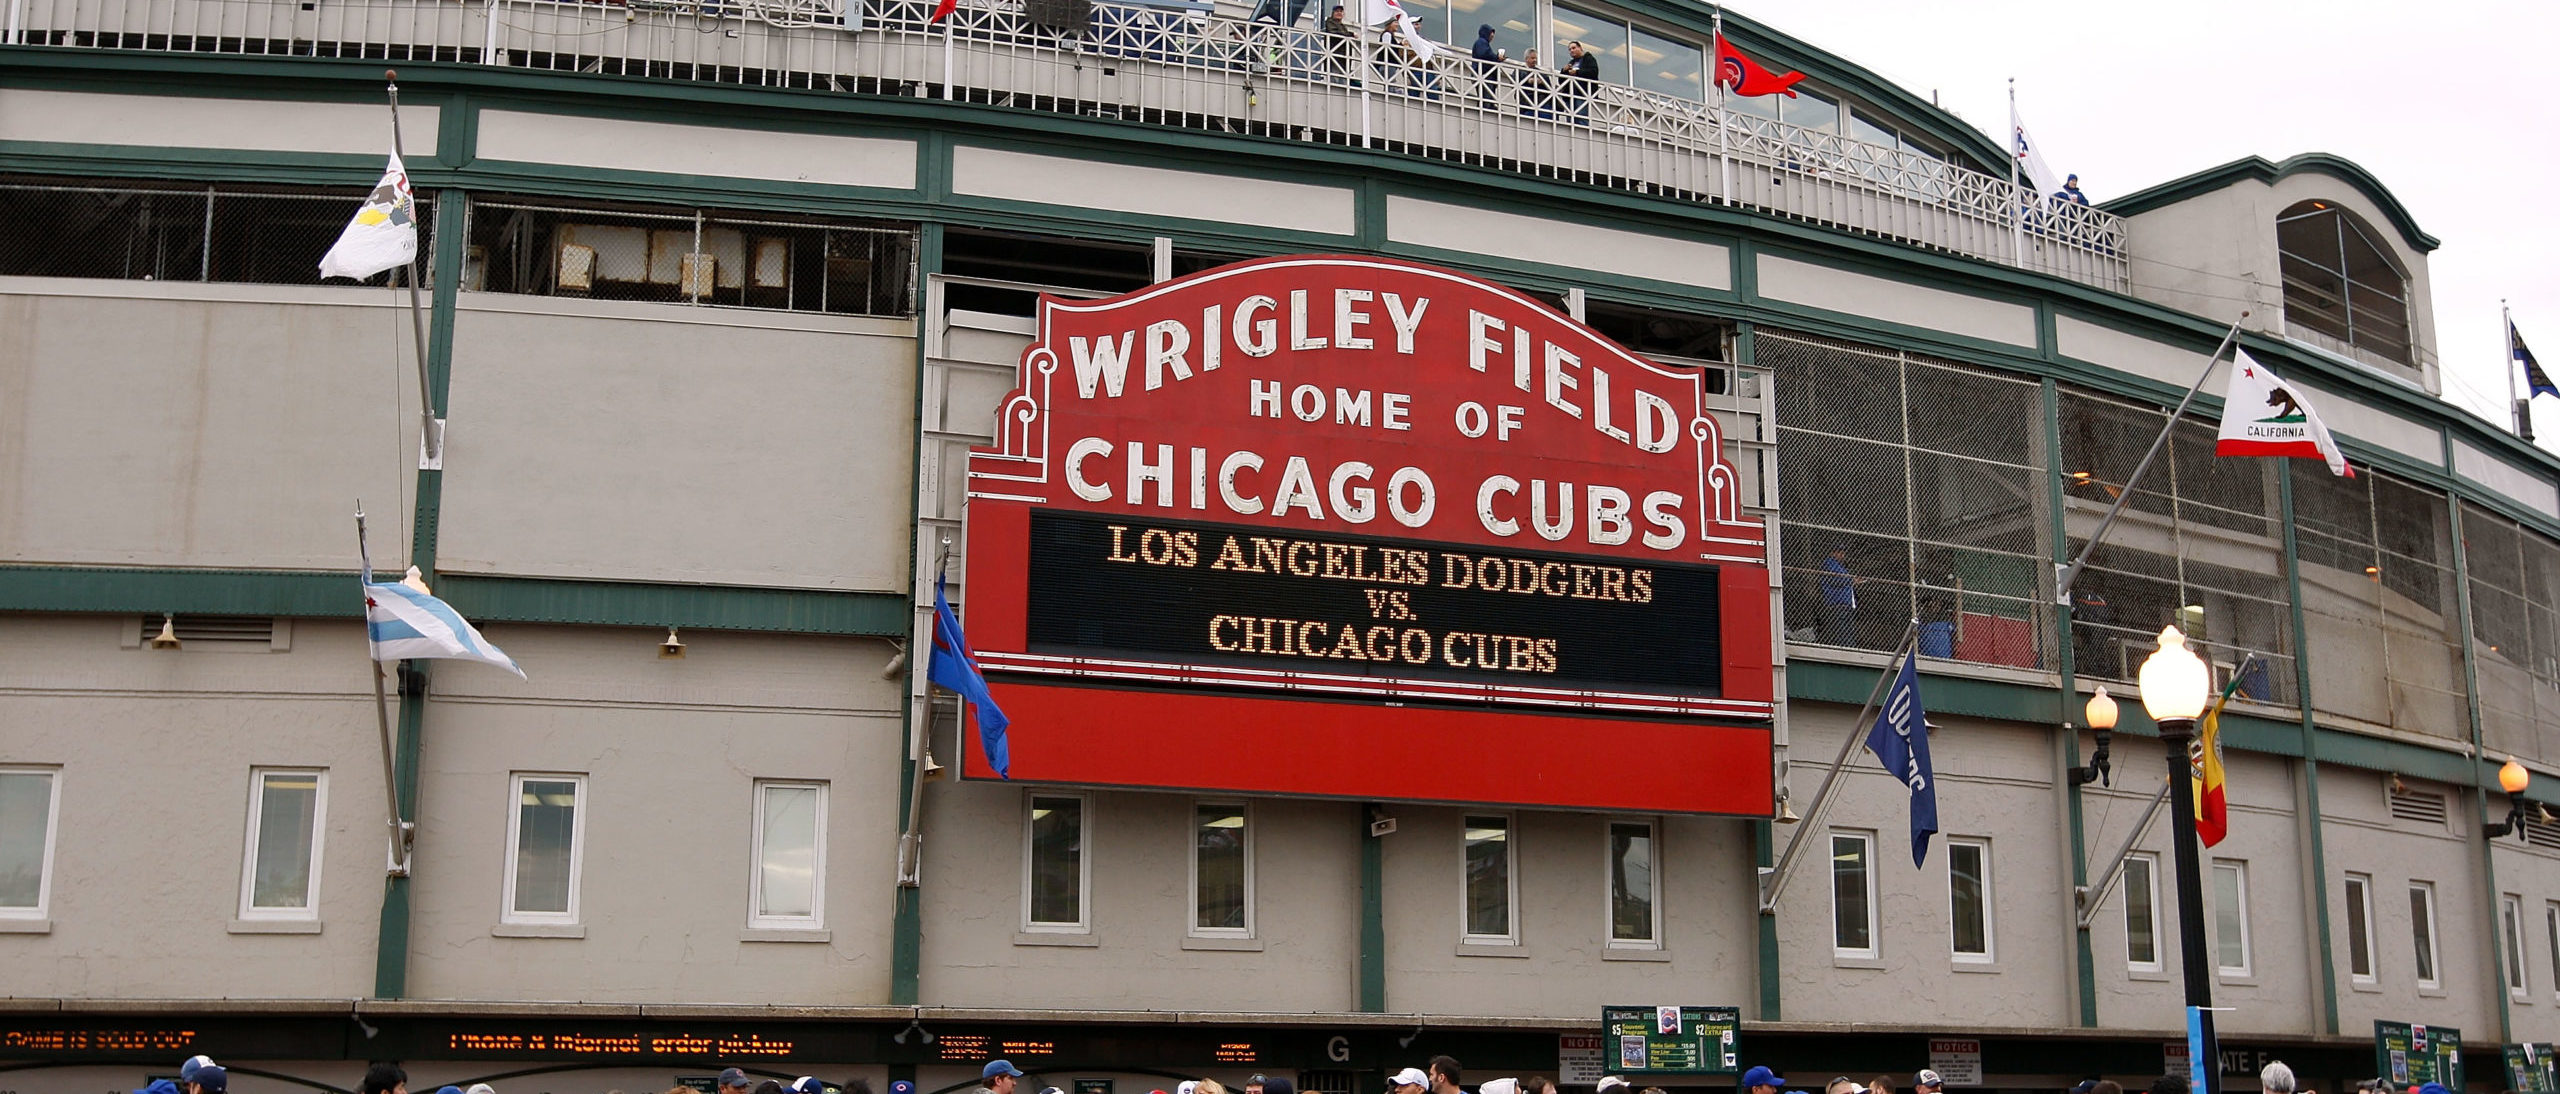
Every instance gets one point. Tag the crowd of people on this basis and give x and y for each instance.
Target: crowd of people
(1442, 1075)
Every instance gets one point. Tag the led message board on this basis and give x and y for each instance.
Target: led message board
(1310, 525)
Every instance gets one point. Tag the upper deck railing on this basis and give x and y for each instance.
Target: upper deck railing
(1174, 65)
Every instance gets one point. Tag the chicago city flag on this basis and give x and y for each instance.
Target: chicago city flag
(2264, 416)
(384, 232)
(403, 621)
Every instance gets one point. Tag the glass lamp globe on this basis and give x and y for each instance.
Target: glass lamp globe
(2102, 710)
(2513, 777)
(2173, 680)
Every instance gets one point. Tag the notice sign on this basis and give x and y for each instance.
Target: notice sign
(1305, 525)
(1958, 1062)
(2530, 1069)
(2415, 1055)
(1579, 1059)
(1674, 1040)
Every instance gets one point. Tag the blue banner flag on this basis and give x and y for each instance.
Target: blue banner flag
(2537, 381)
(955, 666)
(1900, 740)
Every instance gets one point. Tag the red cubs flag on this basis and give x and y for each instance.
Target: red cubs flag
(1745, 76)
(942, 10)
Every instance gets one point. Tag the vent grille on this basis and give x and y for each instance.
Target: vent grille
(2542, 833)
(225, 632)
(2424, 806)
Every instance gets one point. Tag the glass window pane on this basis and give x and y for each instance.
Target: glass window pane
(1851, 920)
(2422, 931)
(1668, 66)
(1631, 882)
(1601, 35)
(2359, 933)
(1862, 129)
(546, 825)
(1968, 898)
(2511, 915)
(1514, 22)
(1808, 109)
(1488, 847)
(787, 875)
(26, 809)
(288, 804)
(2551, 927)
(1057, 860)
(1219, 845)
(2141, 937)
(2230, 931)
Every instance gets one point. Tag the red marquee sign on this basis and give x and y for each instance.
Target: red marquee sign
(1356, 527)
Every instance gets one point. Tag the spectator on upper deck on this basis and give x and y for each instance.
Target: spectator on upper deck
(2071, 191)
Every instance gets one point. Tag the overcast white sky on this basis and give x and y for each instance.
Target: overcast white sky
(2451, 103)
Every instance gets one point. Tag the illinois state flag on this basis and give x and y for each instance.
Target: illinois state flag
(1745, 76)
(2264, 416)
(384, 232)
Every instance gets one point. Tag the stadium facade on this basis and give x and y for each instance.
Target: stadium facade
(722, 297)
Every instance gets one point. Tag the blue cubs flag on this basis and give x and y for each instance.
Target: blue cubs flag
(955, 666)
(1900, 741)
(2538, 381)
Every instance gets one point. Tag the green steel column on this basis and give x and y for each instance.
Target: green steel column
(1373, 916)
(906, 928)
(2480, 789)
(2084, 956)
(2314, 842)
(1765, 856)
(444, 267)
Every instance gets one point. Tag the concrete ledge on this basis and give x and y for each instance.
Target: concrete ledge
(785, 934)
(1631, 953)
(1043, 938)
(539, 930)
(275, 926)
(1253, 945)
(26, 926)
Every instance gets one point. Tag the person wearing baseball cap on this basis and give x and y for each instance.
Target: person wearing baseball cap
(1408, 1081)
(209, 1079)
(1928, 1082)
(1760, 1080)
(1612, 1084)
(806, 1084)
(998, 1077)
(733, 1081)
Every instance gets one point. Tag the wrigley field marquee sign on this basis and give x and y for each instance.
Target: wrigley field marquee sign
(1357, 527)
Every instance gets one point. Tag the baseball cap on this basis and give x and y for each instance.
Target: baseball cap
(1278, 1085)
(1927, 1077)
(1758, 1076)
(448, 1088)
(1000, 1067)
(480, 1088)
(1499, 1086)
(187, 1071)
(1256, 1079)
(807, 1084)
(2085, 1086)
(1186, 1086)
(1413, 1076)
(1612, 1082)
(730, 1077)
(212, 1078)
(1051, 1090)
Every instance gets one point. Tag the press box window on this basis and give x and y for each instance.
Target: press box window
(2360, 928)
(2511, 922)
(2142, 913)
(1221, 870)
(1969, 899)
(2231, 916)
(1635, 889)
(1053, 864)
(2422, 932)
(790, 856)
(28, 807)
(544, 838)
(1853, 894)
(1490, 882)
(281, 877)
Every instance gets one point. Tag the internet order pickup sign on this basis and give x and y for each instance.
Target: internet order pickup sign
(1355, 527)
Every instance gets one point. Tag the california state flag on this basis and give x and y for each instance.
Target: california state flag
(2264, 416)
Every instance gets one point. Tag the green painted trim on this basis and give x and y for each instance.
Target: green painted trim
(1370, 217)
(1373, 916)
(710, 607)
(391, 939)
(1828, 682)
(2084, 955)
(906, 924)
(2316, 843)
(457, 130)
(2480, 789)
(1772, 976)
(119, 590)
(2259, 169)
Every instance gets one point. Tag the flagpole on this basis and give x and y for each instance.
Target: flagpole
(2017, 211)
(397, 857)
(1724, 116)
(2519, 408)
(2071, 572)
(431, 428)
(1775, 881)
(946, 54)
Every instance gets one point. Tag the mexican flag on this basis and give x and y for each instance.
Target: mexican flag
(2264, 416)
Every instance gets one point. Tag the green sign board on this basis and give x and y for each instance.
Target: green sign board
(1670, 1040)
(2530, 1069)
(2413, 1055)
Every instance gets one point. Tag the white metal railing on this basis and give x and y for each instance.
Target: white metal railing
(1167, 62)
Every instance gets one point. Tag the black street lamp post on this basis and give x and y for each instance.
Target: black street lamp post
(2174, 683)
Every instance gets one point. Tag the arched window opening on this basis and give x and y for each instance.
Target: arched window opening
(2339, 281)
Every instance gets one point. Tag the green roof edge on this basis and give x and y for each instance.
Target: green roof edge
(2260, 169)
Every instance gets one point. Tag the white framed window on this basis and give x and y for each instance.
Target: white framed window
(1055, 884)
(1635, 886)
(2142, 912)
(1221, 869)
(789, 891)
(1969, 900)
(30, 806)
(2231, 916)
(2551, 937)
(280, 866)
(2422, 932)
(1853, 894)
(2511, 923)
(1492, 884)
(546, 839)
(2360, 928)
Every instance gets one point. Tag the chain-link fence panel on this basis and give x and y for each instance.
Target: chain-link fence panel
(2380, 623)
(2515, 636)
(261, 235)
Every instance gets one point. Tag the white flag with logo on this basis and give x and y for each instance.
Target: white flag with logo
(2264, 416)
(1383, 11)
(2031, 164)
(384, 232)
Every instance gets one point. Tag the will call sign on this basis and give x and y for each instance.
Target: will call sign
(1321, 507)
